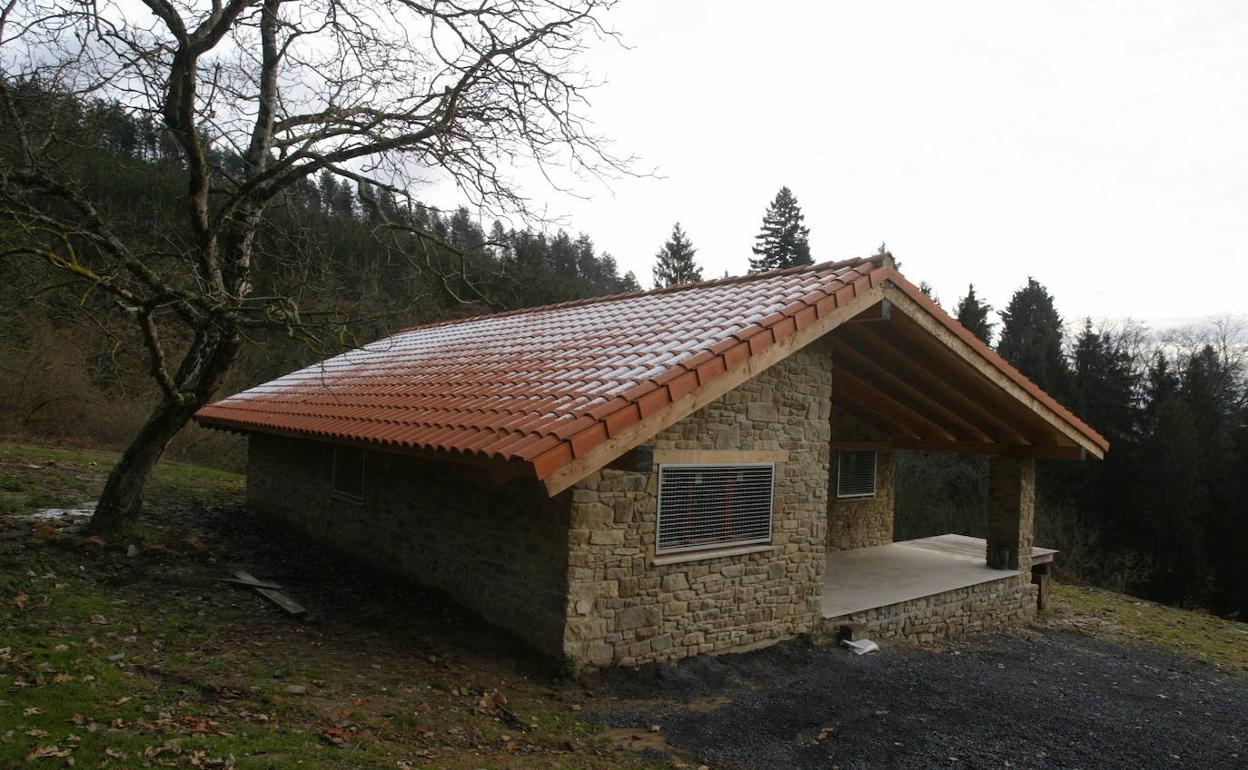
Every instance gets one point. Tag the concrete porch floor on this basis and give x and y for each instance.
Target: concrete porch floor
(867, 578)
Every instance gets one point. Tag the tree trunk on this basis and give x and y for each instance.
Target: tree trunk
(122, 498)
(210, 356)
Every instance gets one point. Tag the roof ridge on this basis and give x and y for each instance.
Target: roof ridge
(730, 279)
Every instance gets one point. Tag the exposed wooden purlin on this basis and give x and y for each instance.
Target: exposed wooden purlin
(930, 428)
(876, 414)
(883, 422)
(863, 365)
(914, 364)
(1044, 452)
(920, 315)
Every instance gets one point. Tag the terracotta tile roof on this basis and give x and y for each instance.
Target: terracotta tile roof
(546, 385)
(518, 385)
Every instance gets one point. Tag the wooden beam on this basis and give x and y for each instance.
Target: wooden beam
(697, 456)
(921, 369)
(861, 363)
(876, 415)
(1041, 451)
(850, 445)
(960, 373)
(913, 310)
(866, 392)
(582, 466)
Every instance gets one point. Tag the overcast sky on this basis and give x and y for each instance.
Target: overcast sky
(1101, 147)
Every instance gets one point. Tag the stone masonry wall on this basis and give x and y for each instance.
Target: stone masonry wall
(1010, 508)
(948, 615)
(623, 608)
(860, 522)
(498, 549)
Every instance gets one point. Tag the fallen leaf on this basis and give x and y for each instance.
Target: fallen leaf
(44, 752)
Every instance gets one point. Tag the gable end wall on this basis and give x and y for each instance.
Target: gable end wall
(624, 609)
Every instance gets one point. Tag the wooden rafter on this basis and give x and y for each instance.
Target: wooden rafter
(901, 387)
(919, 368)
(986, 368)
(865, 391)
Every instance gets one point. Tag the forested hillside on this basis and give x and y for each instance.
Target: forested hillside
(68, 367)
(1164, 516)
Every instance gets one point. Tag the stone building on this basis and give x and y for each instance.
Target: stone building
(662, 474)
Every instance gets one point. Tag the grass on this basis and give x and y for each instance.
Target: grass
(36, 477)
(115, 660)
(1126, 619)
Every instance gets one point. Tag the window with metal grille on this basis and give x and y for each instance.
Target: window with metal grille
(706, 506)
(855, 475)
(349, 473)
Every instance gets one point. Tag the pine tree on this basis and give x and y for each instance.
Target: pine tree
(1031, 339)
(500, 242)
(674, 263)
(783, 240)
(1106, 381)
(973, 314)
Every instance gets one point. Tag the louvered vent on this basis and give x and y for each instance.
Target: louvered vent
(855, 475)
(704, 506)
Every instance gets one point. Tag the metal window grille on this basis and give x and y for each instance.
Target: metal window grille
(855, 476)
(349, 473)
(704, 506)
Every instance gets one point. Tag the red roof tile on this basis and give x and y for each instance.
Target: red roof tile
(548, 384)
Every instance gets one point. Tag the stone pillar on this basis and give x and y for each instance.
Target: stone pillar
(1011, 509)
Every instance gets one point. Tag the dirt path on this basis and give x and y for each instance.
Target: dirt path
(1026, 700)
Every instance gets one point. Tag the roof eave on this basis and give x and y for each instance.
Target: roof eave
(499, 467)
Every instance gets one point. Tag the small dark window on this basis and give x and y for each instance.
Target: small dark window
(349, 473)
(855, 476)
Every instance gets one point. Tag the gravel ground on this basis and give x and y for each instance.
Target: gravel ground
(1031, 699)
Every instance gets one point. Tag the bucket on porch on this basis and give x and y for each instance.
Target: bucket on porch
(999, 557)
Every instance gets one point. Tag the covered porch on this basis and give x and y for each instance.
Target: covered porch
(865, 579)
(907, 377)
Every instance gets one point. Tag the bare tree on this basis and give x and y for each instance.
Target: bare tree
(380, 92)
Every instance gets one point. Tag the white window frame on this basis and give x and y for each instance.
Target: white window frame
(340, 494)
(875, 471)
(721, 545)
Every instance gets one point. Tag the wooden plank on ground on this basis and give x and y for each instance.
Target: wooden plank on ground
(292, 607)
(250, 581)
